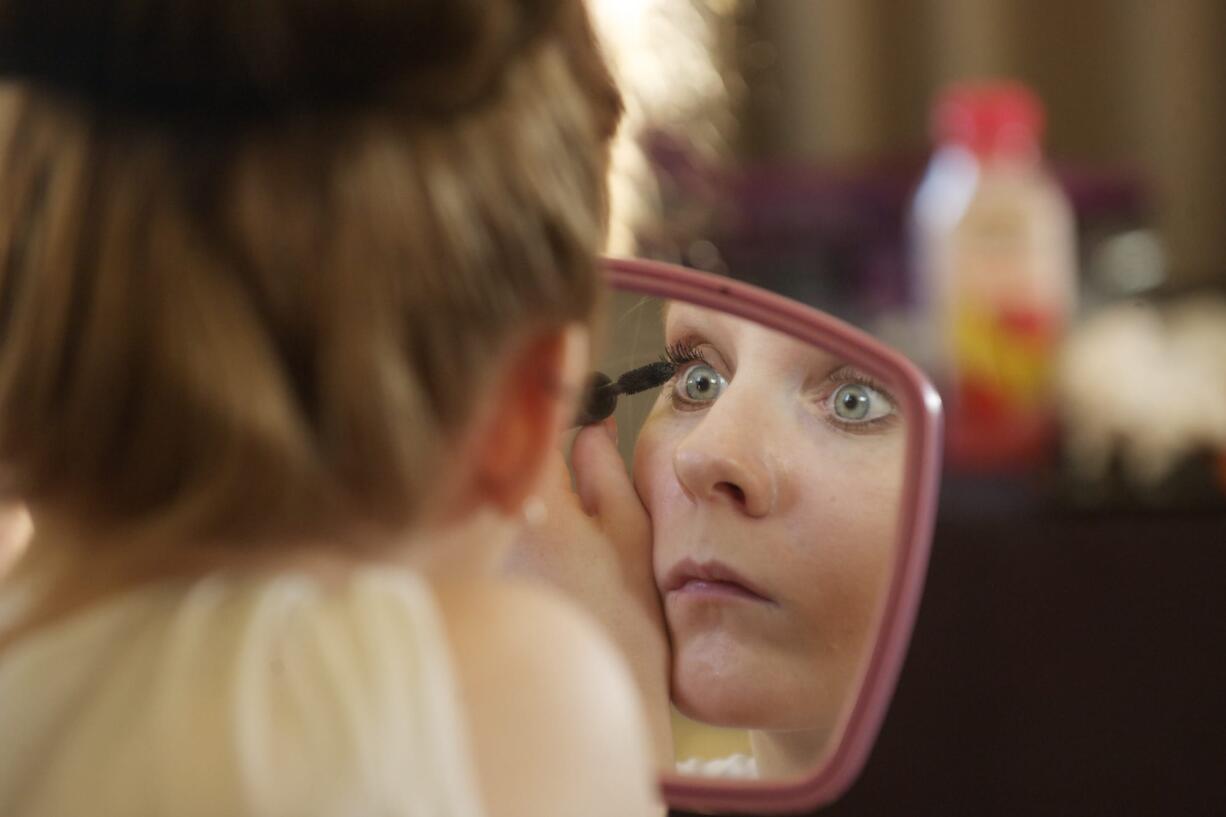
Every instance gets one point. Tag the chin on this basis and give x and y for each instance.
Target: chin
(721, 682)
(727, 709)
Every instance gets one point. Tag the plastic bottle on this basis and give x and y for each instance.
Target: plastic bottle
(995, 257)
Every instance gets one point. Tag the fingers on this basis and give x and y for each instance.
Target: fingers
(591, 459)
(604, 488)
(555, 479)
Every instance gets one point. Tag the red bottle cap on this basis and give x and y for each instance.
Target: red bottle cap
(989, 118)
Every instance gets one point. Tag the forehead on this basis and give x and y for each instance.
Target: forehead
(738, 337)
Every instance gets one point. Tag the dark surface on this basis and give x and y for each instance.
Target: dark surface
(1062, 664)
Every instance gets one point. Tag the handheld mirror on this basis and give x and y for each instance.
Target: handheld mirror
(789, 466)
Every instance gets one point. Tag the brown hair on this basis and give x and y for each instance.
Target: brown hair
(262, 300)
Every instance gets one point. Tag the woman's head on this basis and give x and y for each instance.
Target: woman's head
(260, 266)
(771, 471)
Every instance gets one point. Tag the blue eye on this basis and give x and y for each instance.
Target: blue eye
(700, 384)
(858, 403)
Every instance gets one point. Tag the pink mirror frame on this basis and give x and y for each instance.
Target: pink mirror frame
(920, 404)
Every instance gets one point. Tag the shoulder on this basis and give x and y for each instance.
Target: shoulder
(557, 727)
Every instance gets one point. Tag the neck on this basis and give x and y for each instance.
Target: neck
(459, 550)
(788, 754)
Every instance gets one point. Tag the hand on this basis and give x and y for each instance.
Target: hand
(594, 545)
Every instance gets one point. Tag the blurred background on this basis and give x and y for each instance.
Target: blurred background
(1029, 198)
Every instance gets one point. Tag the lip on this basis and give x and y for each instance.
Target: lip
(711, 578)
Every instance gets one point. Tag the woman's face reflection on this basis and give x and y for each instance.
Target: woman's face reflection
(771, 471)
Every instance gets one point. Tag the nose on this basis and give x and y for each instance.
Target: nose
(721, 461)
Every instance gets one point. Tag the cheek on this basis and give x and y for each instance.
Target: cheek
(653, 468)
(845, 529)
(659, 489)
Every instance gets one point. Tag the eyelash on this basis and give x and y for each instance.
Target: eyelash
(681, 354)
(684, 352)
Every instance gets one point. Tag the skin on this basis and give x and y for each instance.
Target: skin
(770, 480)
(594, 544)
(14, 534)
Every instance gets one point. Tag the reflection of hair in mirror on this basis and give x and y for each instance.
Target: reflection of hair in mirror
(772, 472)
(256, 261)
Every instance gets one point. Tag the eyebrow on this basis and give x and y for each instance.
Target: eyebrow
(668, 305)
(695, 319)
(694, 315)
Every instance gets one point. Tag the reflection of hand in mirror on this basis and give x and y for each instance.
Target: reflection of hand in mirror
(772, 474)
(593, 543)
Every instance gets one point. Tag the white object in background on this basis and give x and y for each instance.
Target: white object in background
(1145, 385)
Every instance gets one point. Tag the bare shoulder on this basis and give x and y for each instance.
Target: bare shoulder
(554, 720)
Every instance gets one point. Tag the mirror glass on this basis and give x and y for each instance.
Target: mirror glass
(772, 473)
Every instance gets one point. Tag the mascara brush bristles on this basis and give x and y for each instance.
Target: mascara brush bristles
(646, 377)
(602, 392)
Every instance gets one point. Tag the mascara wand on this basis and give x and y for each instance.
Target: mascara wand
(600, 397)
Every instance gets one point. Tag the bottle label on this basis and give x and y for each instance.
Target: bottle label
(998, 388)
(1002, 358)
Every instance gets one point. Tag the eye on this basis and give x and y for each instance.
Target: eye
(860, 403)
(700, 384)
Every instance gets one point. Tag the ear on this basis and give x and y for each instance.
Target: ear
(534, 401)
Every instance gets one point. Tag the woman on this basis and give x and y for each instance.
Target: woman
(772, 474)
(293, 302)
